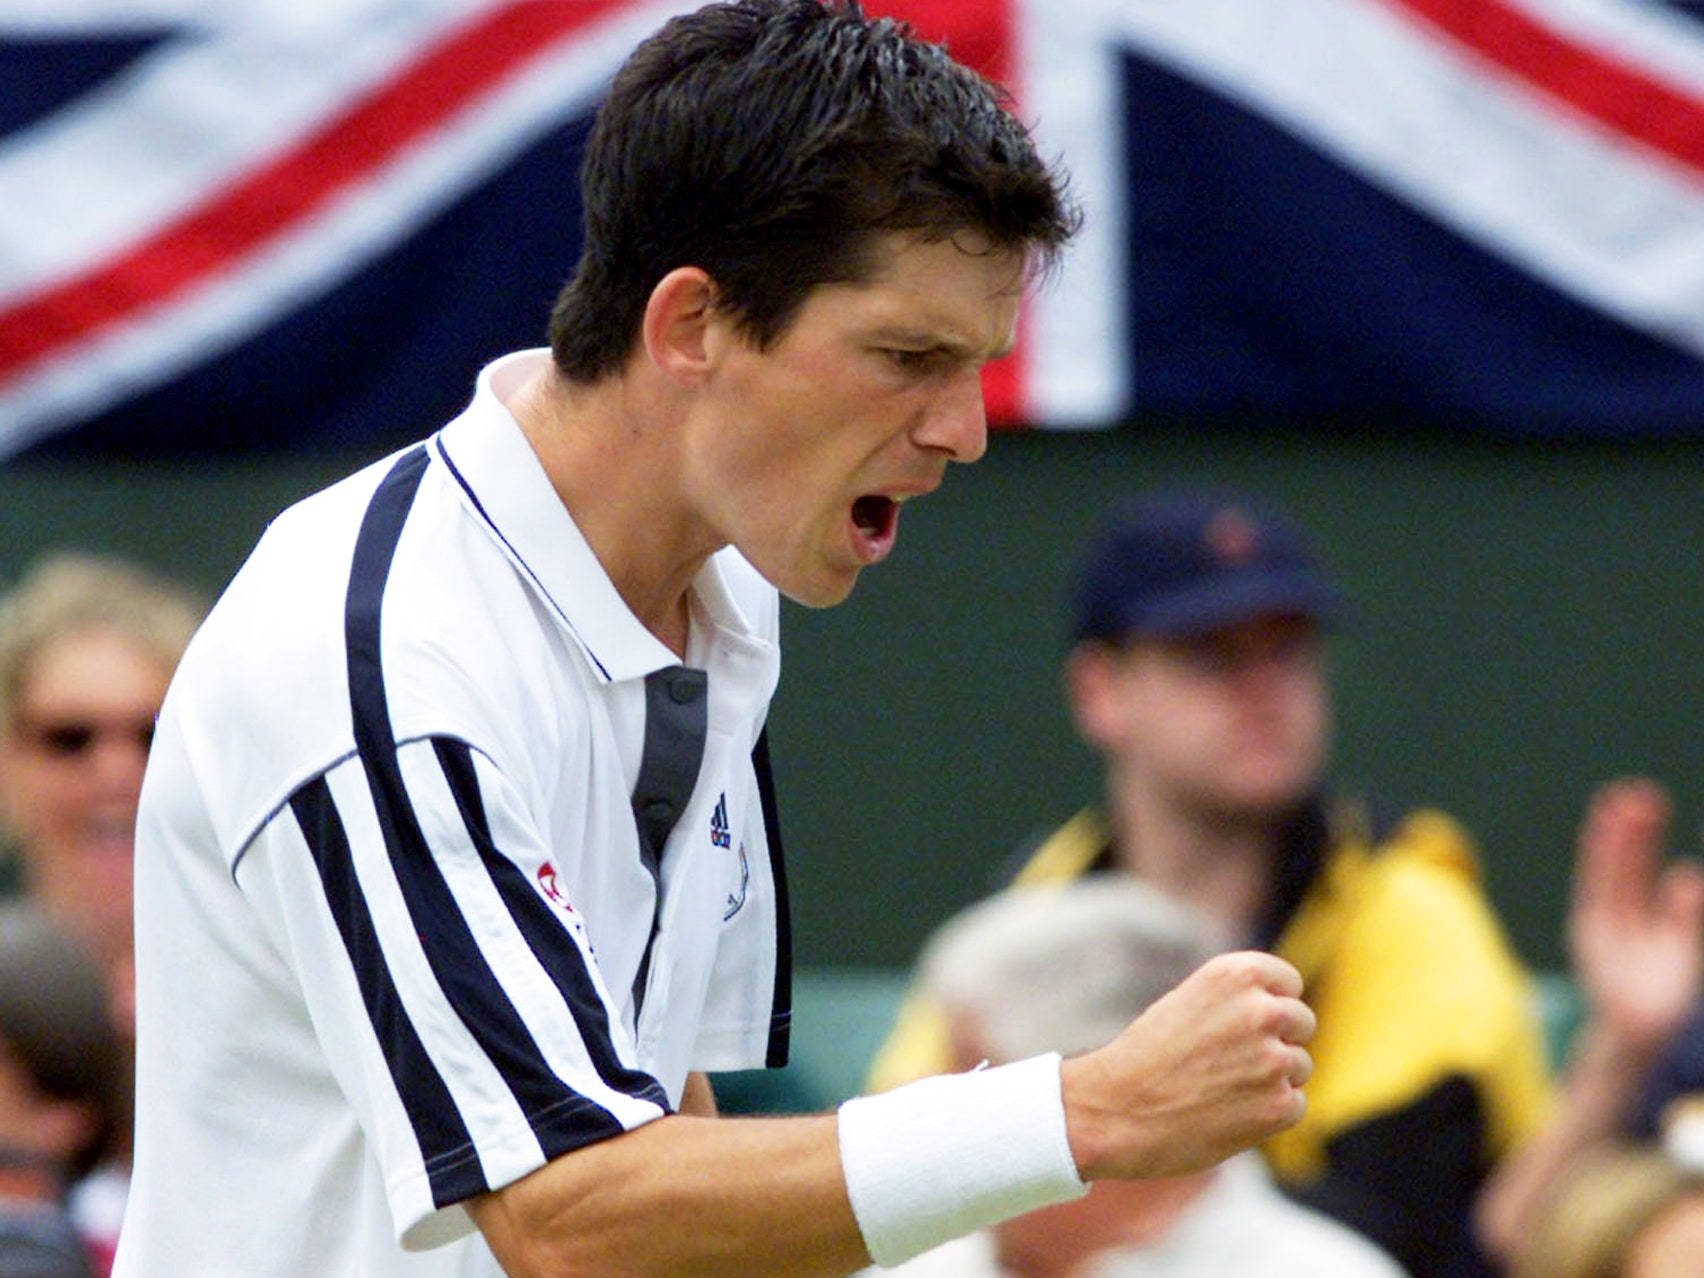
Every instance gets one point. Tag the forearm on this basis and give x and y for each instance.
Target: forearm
(1213, 1067)
(1605, 1070)
(683, 1196)
(888, 1176)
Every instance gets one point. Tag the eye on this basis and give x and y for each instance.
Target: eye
(912, 360)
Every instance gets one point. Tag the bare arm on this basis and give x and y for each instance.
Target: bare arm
(1213, 1067)
(683, 1195)
(1634, 937)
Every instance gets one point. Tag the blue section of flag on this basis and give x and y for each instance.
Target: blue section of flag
(42, 74)
(1271, 283)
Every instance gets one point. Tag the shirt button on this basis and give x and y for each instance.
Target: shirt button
(683, 691)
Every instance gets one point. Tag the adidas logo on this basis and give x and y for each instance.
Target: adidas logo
(720, 835)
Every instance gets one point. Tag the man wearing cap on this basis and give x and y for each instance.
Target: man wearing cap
(1197, 670)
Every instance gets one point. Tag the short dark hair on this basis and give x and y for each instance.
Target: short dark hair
(769, 142)
(55, 1024)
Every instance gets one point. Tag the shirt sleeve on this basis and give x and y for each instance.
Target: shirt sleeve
(459, 1005)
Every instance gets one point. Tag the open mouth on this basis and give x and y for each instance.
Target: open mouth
(874, 513)
(876, 519)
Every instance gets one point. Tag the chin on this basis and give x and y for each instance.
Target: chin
(823, 591)
(1262, 798)
(1276, 802)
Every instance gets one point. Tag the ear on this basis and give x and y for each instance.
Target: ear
(1091, 676)
(678, 317)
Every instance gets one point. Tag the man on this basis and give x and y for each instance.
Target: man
(1197, 671)
(62, 1093)
(1064, 968)
(456, 864)
(1636, 1062)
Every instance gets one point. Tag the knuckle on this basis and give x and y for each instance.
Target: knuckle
(1239, 967)
(1275, 1060)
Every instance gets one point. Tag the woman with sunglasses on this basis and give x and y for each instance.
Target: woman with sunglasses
(87, 647)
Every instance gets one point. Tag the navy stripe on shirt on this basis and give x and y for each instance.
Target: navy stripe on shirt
(452, 1164)
(543, 933)
(451, 949)
(781, 1006)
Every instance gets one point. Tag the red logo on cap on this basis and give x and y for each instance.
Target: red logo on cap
(1231, 537)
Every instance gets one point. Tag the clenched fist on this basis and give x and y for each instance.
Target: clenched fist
(1215, 1066)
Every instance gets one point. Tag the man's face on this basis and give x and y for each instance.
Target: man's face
(800, 455)
(71, 764)
(1233, 721)
(32, 1122)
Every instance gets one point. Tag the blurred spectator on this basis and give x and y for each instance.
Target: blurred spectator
(1065, 969)
(1622, 1211)
(1197, 670)
(62, 1095)
(87, 647)
(1636, 945)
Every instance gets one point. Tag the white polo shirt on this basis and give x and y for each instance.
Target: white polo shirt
(445, 867)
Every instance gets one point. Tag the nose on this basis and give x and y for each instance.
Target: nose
(956, 422)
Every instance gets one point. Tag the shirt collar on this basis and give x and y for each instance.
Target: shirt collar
(504, 483)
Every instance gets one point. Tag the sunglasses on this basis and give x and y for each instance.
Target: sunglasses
(76, 737)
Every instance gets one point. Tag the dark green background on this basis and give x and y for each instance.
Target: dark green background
(1527, 625)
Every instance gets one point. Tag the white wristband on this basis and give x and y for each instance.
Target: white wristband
(943, 1156)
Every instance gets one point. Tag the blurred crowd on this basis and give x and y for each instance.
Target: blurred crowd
(1444, 1127)
(87, 647)
(1446, 1136)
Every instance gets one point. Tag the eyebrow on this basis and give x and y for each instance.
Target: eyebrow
(925, 341)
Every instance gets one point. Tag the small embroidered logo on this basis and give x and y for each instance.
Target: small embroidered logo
(720, 834)
(546, 876)
(738, 898)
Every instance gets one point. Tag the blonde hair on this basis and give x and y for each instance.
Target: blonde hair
(66, 594)
(1594, 1216)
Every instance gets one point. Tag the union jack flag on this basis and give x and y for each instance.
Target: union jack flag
(263, 223)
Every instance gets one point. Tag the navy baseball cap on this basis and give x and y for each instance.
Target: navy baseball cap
(1181, 563)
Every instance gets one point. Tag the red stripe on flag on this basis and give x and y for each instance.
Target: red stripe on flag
(980, 35)
(1618, 96)
(983, 36)
(241, 218)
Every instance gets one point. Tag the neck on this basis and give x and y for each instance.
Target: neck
(610, 453)
(1218, 862)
